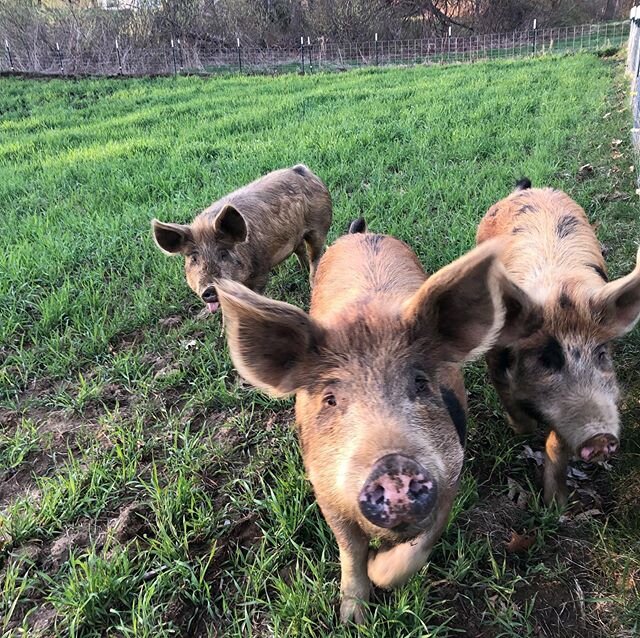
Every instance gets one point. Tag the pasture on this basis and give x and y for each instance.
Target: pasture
(144, 491)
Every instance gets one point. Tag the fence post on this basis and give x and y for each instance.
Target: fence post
(375, 37)
(9, 58)
(180, 54)
(119, 59)
(309, 49)
(173, 55)
(449, 46)
(59, 58)
(302, 55)
(239, 55)
(535, 28)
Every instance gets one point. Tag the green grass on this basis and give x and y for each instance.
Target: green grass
(104, 404)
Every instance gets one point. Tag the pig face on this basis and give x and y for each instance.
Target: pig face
(214, 246)
(381, 435)
(563, 375)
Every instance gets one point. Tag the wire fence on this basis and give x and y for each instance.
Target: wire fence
(633, 69)
(306, 56)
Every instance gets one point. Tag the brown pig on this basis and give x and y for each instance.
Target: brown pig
(561, 376)
(250, 231)
(380, 401)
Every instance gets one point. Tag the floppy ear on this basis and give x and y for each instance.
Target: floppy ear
(459, 311)
(230, 225)
(271, 342)
(618, 302)
(171, 238)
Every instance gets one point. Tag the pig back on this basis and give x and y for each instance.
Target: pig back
(364, 269)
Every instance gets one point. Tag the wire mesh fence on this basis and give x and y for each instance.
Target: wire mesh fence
(633, 69)
(305, 56)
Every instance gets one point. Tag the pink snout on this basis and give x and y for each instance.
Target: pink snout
(599, 447)
(398, 491)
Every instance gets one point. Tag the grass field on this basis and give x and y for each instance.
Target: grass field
(143, 490)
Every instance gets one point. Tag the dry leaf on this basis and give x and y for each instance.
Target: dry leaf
(520, 542)
(528, 453)
(616, 143)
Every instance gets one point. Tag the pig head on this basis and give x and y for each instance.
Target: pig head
(562, 376)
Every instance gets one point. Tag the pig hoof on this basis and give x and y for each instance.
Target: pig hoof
(599, 447)
(352, 610)
(558, 497)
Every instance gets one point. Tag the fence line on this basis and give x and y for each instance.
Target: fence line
(633, 70)
(175, 57)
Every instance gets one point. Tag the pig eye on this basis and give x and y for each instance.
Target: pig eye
(193, 257)
(329, 400)
(421, 383)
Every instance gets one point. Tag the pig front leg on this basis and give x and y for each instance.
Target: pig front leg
(556, 461)
(392, 567)
(355, 586)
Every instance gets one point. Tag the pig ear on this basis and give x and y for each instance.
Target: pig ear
(171, 238)
(618, 302)
(459, 311)
(270, 341)
(230, 225)
(523, 316)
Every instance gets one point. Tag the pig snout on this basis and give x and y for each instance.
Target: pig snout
(210, 297)
(398, 491)
(598, 447)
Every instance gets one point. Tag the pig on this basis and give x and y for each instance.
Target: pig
(380, 400)
(250, 231)
(561, 377)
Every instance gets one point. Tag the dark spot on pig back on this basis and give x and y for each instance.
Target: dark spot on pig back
(516, 230)
(566, 225)
(374, 242)
(566, 303)
(526, 209)
(456, 412)
(601, 273)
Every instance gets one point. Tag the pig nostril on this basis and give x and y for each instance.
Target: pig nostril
(417, 488)
(377, 496)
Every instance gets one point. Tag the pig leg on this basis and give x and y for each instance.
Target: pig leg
(355, 586)
(303, 257)
(519, 422)
(556, 460)
(389, 568)
(315, 243)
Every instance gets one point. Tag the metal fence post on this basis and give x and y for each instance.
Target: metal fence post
(180, 54)
(173, 55)
(9, 58)
(309, 50)
(119, 59)
(375, 39)
(302, 55)
(239, 55)
(59, 58)
(535, 28)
